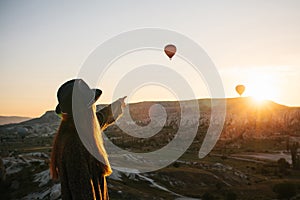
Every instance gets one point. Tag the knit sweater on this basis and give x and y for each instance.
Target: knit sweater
(80, 174)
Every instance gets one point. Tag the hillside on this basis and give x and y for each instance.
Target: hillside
(244, 118)
(247, 119)
(243, 163)
(12, 119)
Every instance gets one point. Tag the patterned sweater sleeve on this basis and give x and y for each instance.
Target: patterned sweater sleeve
(109, 114)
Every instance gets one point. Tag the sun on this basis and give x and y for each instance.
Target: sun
(258, 99)
(262, 87)
(260, 93)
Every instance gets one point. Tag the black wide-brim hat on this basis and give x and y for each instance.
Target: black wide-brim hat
(65, 95)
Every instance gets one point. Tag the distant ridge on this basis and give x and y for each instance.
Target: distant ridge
(245, 118)
(232, 104)
(47, 117)
(12, 119)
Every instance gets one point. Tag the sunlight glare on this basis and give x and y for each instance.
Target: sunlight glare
(261, 86)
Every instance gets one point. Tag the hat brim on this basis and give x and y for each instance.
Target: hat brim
(97, 93)
(58, 110)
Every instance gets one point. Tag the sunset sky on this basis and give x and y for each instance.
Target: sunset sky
(44, 43)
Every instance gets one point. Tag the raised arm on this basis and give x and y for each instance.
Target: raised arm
(110, 113)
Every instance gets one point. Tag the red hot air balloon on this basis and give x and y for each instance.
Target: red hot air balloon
(170, 50)
(240, 89)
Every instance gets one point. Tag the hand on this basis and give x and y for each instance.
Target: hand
(122, 100)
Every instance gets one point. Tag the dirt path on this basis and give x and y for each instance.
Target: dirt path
(267, 156)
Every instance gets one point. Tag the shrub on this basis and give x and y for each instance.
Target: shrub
(208, 196)
(283, 165)
(285, 190)
(219, 186)
(231, 196)
(176, 164)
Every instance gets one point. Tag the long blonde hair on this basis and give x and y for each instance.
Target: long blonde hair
(88, 129)
(93, 142)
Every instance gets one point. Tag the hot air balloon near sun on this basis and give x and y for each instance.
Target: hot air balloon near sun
(240, 89)
(170, 50)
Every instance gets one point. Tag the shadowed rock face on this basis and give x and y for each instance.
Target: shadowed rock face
(244, 117)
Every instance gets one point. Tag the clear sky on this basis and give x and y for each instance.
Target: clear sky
(44, 43)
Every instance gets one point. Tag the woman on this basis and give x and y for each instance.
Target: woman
(80, 162)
